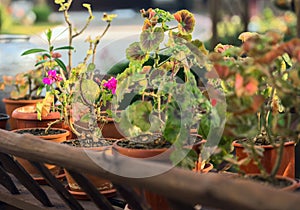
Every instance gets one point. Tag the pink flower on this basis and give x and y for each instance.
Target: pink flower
(52, 77)
(213, 102)
(111, 85)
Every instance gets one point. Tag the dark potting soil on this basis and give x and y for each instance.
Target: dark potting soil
(278, 183)
(40, 131)
(153, 141)
(88, 143)
(260, 141)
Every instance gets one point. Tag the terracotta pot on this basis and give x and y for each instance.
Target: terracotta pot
(157, 202)
(110, 129)
(100, 183)
(11, 105)
(3, 120)
(287, 166)
(293, 183)
(157, 154)
(26, 117)
(58, 138)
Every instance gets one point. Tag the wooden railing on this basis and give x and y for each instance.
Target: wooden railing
(184, 189)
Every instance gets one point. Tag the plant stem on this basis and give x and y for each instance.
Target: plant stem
(98, 41)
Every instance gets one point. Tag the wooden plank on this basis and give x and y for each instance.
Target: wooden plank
(21, 174)
(58, 187)
(7, 182)
(212, 190)
(25, 199)
(99, 199)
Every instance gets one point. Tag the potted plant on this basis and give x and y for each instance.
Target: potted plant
(81, 93)
(169, 102)
(261, 80)
(25, 88)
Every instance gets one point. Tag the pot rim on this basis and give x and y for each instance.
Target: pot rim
(17, 101)
(4, 116)
(66, 133)
(238, 145)
(292, 186)
(20, 113)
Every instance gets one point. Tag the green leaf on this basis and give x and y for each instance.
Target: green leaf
(139, 114)
(91, 67)
(38, 92)
(135, 53)
(61, 64)
(64, 48)
(49, 35)
(40, 62)
(31, 51)
(150, 40)
(47, 55)
(90, 90)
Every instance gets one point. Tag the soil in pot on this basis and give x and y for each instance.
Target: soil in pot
(3, 120)
(287, 166)
(103, 185)
(54, 135)
(144, 146)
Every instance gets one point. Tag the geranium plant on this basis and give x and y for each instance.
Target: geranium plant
(261, 80)
(68, 85)
(162, 73)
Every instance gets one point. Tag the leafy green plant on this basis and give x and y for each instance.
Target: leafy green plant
(161, 72)
(71, 85)
(261, 80)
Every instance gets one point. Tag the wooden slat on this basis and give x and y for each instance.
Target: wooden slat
(58, 187)
(25, 199)
(7, 182)
(99, 199)
(21, 174)
(134, 200)
(212, 190)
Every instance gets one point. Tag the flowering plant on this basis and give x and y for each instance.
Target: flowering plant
(261, 80)
(163, 74)
(71, 85)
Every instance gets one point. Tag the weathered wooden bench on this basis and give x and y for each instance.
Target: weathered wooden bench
(183, 189)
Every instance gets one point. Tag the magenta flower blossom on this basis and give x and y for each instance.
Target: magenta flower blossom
(111, 85)
(52, 77)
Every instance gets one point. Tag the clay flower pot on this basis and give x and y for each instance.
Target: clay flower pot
(291, 184)
(103, 185)
(59, 135)
(157, 202)
(287, 166)
(11, 105)
(3, 120)
(26, 117)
